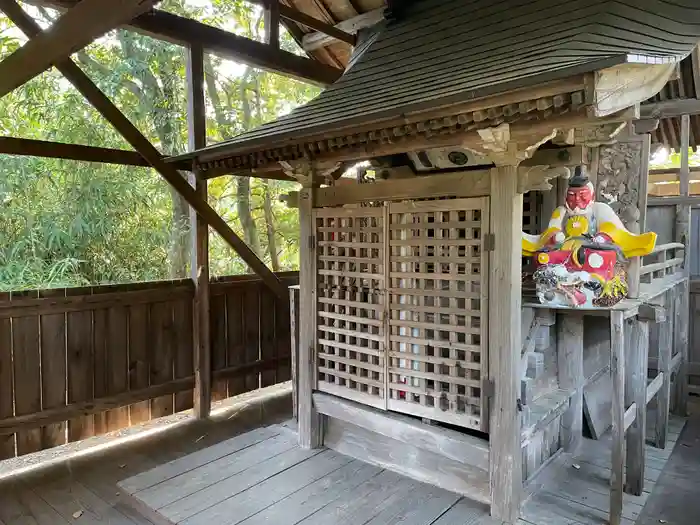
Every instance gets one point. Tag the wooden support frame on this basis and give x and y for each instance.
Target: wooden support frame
(141, 144)
(60, 150)
(670, 108)
(571, 377)
(313, 41)
(309, 419)
(76, 28)
(184, 31)
(663, 398)
(314, 23)
(505, 297)
(617, 369)
(681, 348)
(197, 134)
(637, 356)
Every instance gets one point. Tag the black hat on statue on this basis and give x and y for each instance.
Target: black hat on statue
(580, 178)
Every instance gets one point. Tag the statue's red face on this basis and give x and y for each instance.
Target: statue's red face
(579, 199)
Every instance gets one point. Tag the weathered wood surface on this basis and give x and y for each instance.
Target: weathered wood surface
(505, 290)
(571, 377)
(665, 349)
(617, 368)
(441, 441)
(99, 359)
(637, 356)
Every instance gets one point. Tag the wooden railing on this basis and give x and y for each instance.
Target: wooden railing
(79, 362)
(665, 260)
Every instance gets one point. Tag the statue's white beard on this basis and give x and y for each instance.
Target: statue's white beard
(581, 211)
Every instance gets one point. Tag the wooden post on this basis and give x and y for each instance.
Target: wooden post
(681, 342)
(617, 369)
(309, 420)
(294, 334)
(505, 290)
(199, 234)
(665, 354)
(637, 356)
(272, 23)
(570, 364)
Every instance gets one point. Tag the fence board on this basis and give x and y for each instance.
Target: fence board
(184, 364)
(268, 347)
(80, 367)
(218, 321)
(27, 366)
(139, 365)
(236, 347)
(7, 443)
(53, 370)
(78, 353)
(161, 359)
(251, 331)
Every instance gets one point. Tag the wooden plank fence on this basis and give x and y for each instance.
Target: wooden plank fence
(80, 362)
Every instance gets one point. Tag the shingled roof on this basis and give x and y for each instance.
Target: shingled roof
(447, 52)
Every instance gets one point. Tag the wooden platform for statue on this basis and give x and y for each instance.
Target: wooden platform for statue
(263, 477)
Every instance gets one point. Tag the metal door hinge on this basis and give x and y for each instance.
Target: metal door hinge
(489, 242)
(312, 242)
(488, 388)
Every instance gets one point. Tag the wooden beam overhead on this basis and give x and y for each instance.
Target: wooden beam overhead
(670, 108)
(314, 23)
(59, 150)
(314, 41)
(76, 28)
(141, 144)
(185, 32)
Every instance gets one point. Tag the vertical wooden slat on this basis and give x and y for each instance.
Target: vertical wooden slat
(251, 332)
(294, 346)
(505, 289)
(100, 367)
(663, 398)
(637, 355)
(161, 355)
(53, 370)
(80, 366)
(617, 370)
(7, 443)
(27, 370)
(117, 364)
(234, 338)
(199, 271)
(184, 362)
(219, 344)
(571, 377)
(283, 340)
(268, 331)
(139, 364)
(272, 23)
(680, 343)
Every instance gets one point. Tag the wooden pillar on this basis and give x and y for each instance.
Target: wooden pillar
(505, 289)
(570, 364)
(294, 334)
(637, 357)
(683, 225)
(663, 398)
(309, 419)
(617, 370)
(199, 234)
(680, 343)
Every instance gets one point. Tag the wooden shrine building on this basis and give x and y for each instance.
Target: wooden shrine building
(418, 347)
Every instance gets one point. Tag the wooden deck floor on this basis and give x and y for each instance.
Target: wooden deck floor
(262, 477)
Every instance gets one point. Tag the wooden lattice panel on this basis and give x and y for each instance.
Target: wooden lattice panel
(438, 311)
(350, 303)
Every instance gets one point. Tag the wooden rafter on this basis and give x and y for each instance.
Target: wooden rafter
(184, 31)
(75, 29)
(671, 108)
(59, 150)
(141, 144)
(314, 23)
(314, 41)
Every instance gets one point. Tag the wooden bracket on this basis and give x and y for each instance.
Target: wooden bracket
(654, 313)
(538, 177)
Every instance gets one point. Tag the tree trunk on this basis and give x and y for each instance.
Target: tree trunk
(270, 223)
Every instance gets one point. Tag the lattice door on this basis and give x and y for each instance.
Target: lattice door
(350, 314)
(437, 326)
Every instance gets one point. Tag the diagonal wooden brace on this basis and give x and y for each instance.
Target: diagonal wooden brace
(141, 144)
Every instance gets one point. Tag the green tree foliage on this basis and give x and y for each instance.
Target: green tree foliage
(65, 223)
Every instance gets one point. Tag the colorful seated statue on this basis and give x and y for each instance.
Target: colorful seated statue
(581, 258)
